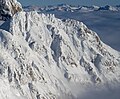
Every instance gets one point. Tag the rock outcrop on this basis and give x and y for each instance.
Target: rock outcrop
(8, 8)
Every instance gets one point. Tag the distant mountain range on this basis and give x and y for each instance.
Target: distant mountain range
(65, 7)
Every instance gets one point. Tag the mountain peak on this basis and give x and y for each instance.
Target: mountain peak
(43, 57)
(8, 8)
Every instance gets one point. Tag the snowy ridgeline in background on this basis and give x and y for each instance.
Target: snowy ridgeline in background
(65, 7)
(43, 57)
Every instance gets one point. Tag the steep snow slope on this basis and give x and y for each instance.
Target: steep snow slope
(43, 57)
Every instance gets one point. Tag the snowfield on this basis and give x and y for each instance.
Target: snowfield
(43, 57)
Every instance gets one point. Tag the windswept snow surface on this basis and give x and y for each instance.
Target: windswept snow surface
(43, 57)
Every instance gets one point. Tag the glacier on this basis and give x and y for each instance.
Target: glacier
(43, 57)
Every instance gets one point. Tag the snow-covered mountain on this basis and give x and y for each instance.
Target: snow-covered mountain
(108, 7)
(43, 57)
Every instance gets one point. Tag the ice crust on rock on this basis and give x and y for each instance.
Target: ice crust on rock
(8, 8)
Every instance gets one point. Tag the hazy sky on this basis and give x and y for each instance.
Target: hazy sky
(73, 2)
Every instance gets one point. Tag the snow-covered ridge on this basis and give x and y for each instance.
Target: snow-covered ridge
(65, 7)
(43, 57)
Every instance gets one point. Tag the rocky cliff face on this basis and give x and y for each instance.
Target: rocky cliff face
(8, 8)
(42, 57)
